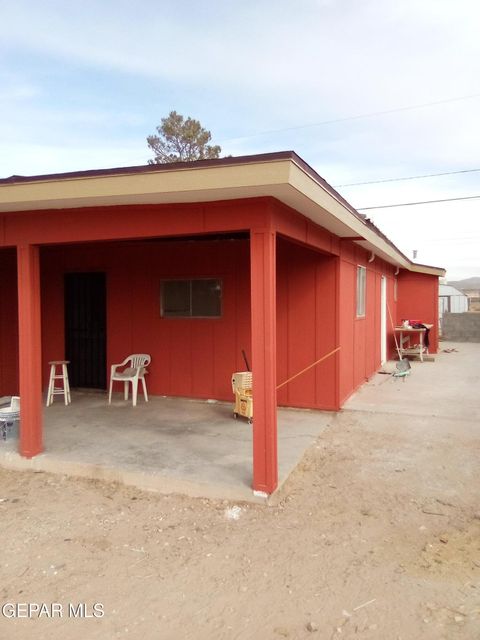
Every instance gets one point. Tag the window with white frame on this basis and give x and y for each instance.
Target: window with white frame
(361, 290)
(198, 298)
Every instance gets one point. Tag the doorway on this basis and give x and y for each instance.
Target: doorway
(85, 329)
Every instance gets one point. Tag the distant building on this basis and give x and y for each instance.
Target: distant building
(471, 288)
(473, 296)
(450, 300)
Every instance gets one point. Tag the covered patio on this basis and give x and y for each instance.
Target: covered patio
(194, 264)
(170, 445)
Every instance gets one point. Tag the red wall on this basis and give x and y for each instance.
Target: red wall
(306, 325)
(195, 357)
(316, 310)
(418, 300)
(8, 323)
(360, 337)
(127, 222)
(190, 357)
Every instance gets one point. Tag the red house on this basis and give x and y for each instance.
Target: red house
(193, 262)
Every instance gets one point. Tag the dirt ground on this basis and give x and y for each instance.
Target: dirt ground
(377, 535)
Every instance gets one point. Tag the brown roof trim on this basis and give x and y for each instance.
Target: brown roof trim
(152, 168)
(374, 228)
(201, 164)
(308, 169)
(318, 178)
(195, 164)
(427, 266)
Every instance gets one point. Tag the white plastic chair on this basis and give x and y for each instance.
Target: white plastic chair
(135, 371)
(9, 415)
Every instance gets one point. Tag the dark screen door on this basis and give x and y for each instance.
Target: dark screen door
(85, 329)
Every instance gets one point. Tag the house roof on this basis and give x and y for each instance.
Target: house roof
(283, 175)
(448, 290)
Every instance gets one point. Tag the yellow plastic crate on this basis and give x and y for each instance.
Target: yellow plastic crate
(242, 389)
(241, 380)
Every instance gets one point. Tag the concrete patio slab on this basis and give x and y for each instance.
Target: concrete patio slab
(446, 388)
(175, 445)
(170, 445)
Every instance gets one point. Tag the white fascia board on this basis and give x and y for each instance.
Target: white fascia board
(370, 240)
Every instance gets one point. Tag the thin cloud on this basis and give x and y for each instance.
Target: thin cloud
(88, 82)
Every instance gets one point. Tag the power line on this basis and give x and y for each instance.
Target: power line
(475, 239)
(356, 117)
(425, 175)
(410, 204)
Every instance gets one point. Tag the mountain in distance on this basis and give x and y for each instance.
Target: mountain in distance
(467, 283)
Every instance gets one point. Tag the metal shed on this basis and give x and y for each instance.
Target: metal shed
(450, 300)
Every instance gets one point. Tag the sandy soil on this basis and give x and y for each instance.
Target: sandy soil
(377, 536)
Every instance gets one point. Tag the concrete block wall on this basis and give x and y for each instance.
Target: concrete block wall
(461, 327)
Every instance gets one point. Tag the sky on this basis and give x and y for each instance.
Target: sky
(83, 84)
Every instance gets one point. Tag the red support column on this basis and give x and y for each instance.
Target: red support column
(264, 366)
(30, 350)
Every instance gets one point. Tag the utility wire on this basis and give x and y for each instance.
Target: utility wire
(356, 117)
(457, 240)
(410, 204)
(425, 175)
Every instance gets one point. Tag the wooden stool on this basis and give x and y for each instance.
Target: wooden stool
(52, 389)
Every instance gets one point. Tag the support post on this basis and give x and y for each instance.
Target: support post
(30, 350)
(263, 302)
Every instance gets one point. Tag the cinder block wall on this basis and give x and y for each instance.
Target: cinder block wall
(461, 327)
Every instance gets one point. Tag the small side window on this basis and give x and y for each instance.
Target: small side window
(199, 298)
(361, 291)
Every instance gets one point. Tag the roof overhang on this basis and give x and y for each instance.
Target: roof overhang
(283, 176)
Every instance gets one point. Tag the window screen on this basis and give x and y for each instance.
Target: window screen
(361, 290)
(200, 298)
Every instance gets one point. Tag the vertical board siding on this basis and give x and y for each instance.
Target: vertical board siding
(360, 337)
(327, 336)
(306, 326)
(316, 312)
(8, 323)
(418, 300)
(347, 311)
(196, 357)
(192, 357)
(302, 323)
